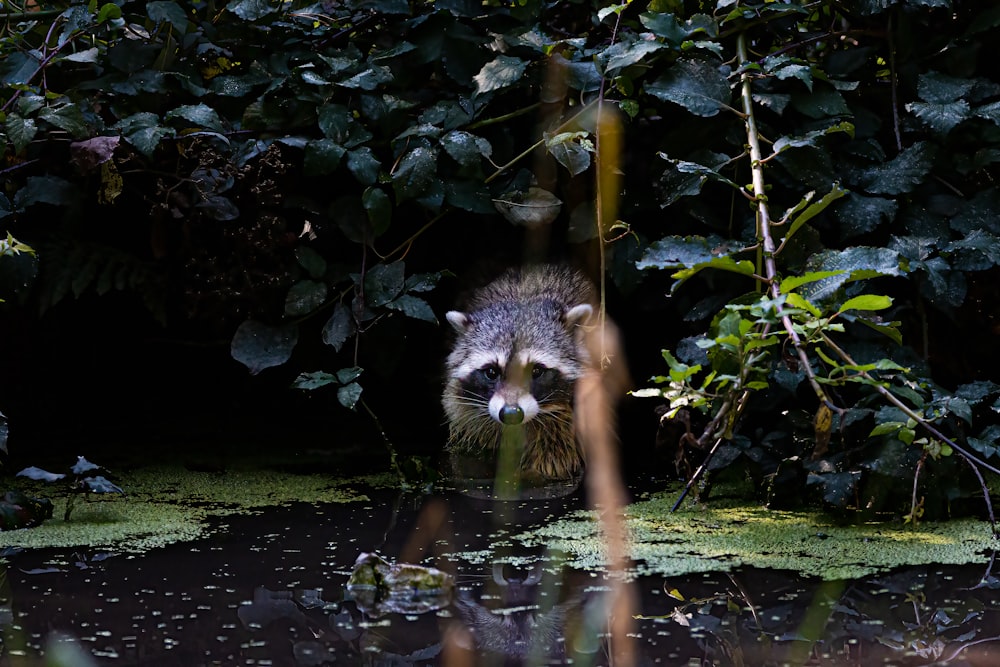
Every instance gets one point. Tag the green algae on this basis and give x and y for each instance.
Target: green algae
(722, 536)
(169, 504)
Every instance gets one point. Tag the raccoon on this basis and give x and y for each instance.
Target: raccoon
(515, 361)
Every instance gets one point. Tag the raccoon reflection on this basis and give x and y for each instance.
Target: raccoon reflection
(516, 357)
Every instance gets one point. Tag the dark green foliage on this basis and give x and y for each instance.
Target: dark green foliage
(82, 478)
(267, 167)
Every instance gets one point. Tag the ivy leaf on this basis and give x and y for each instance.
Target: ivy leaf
(258, 346)
(339, 327)
(697, 85)
(304, 297)
(499, 73)
(901, 174)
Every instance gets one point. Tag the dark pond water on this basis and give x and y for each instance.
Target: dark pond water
(269, 589)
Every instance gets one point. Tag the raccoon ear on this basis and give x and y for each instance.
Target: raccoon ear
(459, 320)
(578, 314)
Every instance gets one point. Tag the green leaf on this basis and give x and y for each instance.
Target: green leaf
(788, 285)
(169, 11)
(667, 26)
(44, 190)
(813, 209)
(796, 301)
(252, 10)
(856, 263)
(866, 302)
(363, 164)
(890, 330)
(860, 214)
(383, 283)
(901, 174)
(369, 79)
(626, 52)
(313, 380)
(339, 327)
(978, 251)
(201, 115)
(20, 131)
(67, 117)
(415, 173)
(499, 73)
(379, 208)
(941, 88)
(349, 395)
(941, 117)
(465, 148)
(322, 156)
(258, 346)
(304, 297)
(311, 261)
(414, 307)
(822, 102)
(697, 85)
(811, 138)
(571, 149)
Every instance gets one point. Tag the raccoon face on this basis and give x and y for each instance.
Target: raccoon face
(515, 392)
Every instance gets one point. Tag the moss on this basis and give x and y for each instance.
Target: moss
(168, 504)
(722, 536)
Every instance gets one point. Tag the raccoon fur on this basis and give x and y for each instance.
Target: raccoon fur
(516, 357)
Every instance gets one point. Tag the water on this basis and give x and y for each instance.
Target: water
(268, 588)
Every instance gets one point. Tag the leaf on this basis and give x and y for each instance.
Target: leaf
(169, 11)
(201, 115)
(383, 283)
(363, 164)
(349, 395)
(369, 79)
(349, 374)
(313, 380)
(82, 465)
(252, 10)
(258, 346)
(66, 117)
(571, 149)
(465, 148)
(322, 156)
(901, 174)
(790, 283)
(856, 263)
(339, 327)
(101, 484)
(689, 177)
(532, 209)
(860, 214)
(414, 307)
(691, 254)
(44, 190)
(20, 131)
(697, 85)
(378, 207)
(811, 138)
(626, 52)
(941, 117)
(667, 26)
(38, 474)
(978, 251)
(813, 209)
(304, 297)
(311, 261)
(499, 73)
(936, 87)
(414, 174)
(866, 302)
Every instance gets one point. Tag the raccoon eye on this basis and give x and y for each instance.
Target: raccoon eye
(491, 372)
(538, 371)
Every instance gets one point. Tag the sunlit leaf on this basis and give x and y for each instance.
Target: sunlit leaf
(866, 302)
(499, 73)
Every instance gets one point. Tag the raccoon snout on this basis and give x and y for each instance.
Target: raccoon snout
(511, 415)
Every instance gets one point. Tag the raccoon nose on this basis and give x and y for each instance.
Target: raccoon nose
(511, 415)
